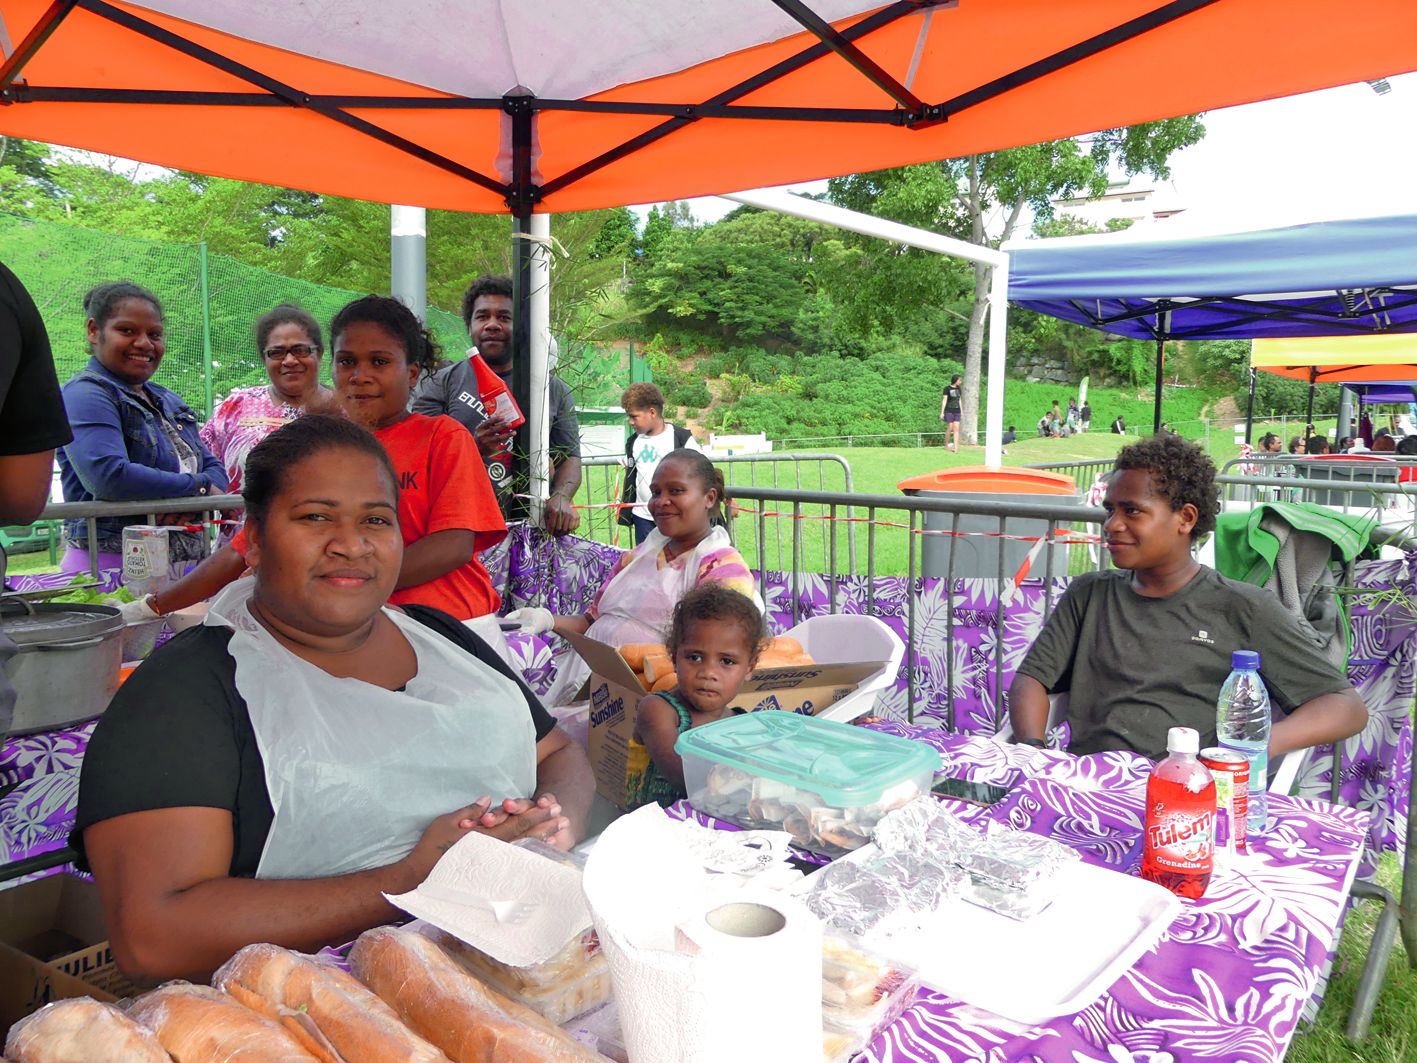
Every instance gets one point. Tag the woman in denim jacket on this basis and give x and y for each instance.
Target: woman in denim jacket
(132, 438)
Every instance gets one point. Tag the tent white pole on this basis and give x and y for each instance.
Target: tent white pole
(540, 350)
(998, 342)
(783, 202)
(408, 251)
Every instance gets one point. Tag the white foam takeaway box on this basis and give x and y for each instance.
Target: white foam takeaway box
(854, 657)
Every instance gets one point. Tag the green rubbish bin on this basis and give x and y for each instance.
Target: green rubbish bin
(977, 555)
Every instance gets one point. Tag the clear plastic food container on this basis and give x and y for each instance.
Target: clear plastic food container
(825, 783)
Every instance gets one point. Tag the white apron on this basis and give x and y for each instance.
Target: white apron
(638, 603)
(355, 772)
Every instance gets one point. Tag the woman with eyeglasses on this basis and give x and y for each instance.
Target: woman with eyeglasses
(290, 344)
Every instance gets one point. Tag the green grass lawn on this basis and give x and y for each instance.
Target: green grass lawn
(1393, 1035)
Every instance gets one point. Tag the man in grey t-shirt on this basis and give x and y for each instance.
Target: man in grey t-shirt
(1147, 647)
(487, 313)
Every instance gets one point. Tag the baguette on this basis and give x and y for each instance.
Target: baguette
(197, 1024)
(82, 1031)
(636, 652)
(360, 1026)
(443, 1003)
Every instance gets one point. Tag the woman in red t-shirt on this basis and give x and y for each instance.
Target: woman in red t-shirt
(447, 510)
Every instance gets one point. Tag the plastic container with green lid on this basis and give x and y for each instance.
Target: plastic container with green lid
(825, 783)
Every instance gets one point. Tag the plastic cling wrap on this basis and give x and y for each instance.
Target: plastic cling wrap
(322, 1006)
(82, 1029)
(440, 1001)
(197, 1023)
(862, 994)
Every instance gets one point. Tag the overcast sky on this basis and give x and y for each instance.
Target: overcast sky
(1344, 152)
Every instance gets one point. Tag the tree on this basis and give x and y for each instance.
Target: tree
(663, 219)
(961, 196)
(736, 291)
(618, 237)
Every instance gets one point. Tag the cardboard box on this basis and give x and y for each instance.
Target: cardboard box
(615, 693)
(53, 945)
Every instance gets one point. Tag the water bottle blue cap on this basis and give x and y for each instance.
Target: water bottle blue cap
(1249, 659)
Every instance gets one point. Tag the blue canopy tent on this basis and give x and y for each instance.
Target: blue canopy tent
(1384, 394)
(1335, 278)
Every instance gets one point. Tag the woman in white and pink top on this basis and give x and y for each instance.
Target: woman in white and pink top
(290, 343)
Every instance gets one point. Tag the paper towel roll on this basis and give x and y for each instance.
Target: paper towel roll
(744, 983)
(704, 972)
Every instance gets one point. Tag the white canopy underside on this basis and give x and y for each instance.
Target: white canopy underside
(559, 49)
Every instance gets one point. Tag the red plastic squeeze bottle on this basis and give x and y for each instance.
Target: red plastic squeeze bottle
(497, 401)
(1178, 850)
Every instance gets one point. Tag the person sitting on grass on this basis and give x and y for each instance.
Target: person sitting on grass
(1147, 647)
(714, 639)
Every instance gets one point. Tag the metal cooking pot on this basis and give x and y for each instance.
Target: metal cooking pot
(67, 666)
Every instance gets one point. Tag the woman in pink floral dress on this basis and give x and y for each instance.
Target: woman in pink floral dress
(290, 343)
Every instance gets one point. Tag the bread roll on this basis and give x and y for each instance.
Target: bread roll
(361, 1027)
(785, 644)
(197, 1024)
(668, 682)
(775, 658)
(635, 653)
(657, 666)
(82, 1031)
(443, 1003)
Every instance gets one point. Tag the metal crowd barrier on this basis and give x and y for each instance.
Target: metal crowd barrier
(900, 521)
(600, 492)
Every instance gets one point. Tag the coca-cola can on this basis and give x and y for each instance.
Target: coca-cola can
(1232, 795)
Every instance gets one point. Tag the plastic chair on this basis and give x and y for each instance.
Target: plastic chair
(845, 639)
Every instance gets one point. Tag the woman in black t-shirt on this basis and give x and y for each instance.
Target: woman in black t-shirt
(269, 775)
(950, 411)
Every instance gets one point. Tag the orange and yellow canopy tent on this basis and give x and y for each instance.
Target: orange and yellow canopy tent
(1339, 359)
(562, 105)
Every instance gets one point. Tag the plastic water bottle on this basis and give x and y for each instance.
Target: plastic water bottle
(1242, 723)
(1178, 849)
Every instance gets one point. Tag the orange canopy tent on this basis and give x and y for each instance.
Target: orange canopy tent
(1339, 359)
(564, 105)
(1390, 357)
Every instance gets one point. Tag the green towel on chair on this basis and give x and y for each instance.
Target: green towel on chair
(1245, 551)
(1248, 547)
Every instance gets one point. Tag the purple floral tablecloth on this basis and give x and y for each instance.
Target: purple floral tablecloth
(1230, 977)
(956, 631)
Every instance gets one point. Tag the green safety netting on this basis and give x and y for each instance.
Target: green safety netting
(202, 295)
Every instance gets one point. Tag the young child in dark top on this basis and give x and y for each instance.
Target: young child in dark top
(715, 638)
(1147, 647)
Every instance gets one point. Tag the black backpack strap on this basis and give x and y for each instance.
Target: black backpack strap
(627, 491)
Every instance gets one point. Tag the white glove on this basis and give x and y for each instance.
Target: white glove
(533, 619)
(139, 612)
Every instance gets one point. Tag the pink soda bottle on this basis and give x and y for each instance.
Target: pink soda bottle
(1178, 849)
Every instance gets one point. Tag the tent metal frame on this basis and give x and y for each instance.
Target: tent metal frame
(521, 192)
